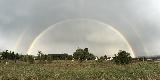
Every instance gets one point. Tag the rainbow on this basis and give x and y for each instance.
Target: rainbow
(68, 20)
(19, 40)
(136, 33)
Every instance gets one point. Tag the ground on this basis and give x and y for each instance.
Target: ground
(73, 70)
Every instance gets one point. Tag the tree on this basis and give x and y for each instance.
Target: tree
(122, 57)
(78, 54)
(83, 54)
(105, 57)
(91, 57)
(12, 56)
(5, 55)
(16, 57)
(40, 56)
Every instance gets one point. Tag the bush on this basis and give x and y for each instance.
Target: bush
(83, 54)
(122, 57)
(30, 59)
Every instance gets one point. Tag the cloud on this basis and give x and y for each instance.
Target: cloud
(137, 20)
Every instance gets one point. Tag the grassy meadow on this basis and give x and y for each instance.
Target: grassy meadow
(73, 70)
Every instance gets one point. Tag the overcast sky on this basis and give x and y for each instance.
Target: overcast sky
(21, 21)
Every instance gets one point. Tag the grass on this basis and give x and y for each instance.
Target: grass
(90, 70)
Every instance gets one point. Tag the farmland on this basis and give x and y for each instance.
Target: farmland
(74, 70)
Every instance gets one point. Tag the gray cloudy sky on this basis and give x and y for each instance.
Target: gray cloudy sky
(21, 21)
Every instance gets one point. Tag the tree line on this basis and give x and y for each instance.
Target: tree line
(80, 55)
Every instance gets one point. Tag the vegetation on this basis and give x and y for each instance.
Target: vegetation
(79, 66)
(5, 55)
(83, 54)
(73, 70)
(122, 57)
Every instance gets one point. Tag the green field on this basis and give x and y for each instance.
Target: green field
(87, 70)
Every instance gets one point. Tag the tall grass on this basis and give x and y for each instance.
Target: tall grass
(89, 70)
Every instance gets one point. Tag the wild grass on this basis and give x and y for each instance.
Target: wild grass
(88, 70)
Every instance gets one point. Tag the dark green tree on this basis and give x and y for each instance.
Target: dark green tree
(40, 56)
(91, 57)
(83, 54)
(78, 54)
(12, 56)
(122, 57)
(9, 55)
(5, 55)
(105, 57)
(16, 57)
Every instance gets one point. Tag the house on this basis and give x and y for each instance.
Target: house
(58, 56)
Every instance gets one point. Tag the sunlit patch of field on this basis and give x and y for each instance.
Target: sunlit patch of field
(90, 70)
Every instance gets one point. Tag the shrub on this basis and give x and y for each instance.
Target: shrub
(122, 57)
(30, 59)
(83, 54)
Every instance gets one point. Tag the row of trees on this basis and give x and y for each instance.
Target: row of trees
(79, 55)
(122, 57)
(9, 55)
